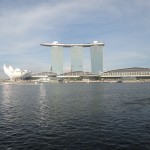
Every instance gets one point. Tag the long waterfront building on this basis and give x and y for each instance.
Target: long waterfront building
(96, 50)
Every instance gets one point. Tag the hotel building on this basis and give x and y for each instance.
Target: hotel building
(96, 51)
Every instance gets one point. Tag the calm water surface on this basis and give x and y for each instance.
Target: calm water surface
(103, 116)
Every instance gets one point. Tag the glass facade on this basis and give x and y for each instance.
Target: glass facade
(57, 59)
(96, 59)
(76, 58)
(96, 52)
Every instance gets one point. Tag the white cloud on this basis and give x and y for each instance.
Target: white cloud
(18, 22)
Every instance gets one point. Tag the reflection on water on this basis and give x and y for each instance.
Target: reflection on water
(6, 101)
(6, 92)
(42, 103)
(75, 116)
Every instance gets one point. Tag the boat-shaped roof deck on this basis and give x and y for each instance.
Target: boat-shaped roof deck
(72, 45)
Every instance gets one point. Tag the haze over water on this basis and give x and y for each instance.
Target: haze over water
(75, 116)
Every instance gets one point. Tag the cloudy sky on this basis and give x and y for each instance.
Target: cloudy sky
(123, 25)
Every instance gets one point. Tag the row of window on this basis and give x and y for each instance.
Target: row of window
(126, 73)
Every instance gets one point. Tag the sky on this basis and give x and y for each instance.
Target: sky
(122, 25)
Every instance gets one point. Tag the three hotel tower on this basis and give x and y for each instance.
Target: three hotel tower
(96, 52)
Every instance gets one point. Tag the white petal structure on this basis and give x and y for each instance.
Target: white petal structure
(15, 73)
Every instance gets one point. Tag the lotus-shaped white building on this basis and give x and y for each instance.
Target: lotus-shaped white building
(15, 73)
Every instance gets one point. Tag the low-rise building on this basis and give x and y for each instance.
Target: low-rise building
(135, 73)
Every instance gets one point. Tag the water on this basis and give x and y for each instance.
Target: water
(101, 116)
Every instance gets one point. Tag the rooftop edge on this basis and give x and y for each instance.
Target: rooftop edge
(71, 45)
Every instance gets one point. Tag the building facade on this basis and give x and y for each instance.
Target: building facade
(135, 74)
(57, 59)
(76, 58)
(97, 59)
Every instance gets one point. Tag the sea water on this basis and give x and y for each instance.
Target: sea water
(98, 116)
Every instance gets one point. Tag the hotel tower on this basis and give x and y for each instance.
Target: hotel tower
(96, 52)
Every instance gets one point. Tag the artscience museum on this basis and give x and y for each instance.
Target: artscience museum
(15, 73)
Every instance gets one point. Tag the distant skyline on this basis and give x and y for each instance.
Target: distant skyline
(122, 25)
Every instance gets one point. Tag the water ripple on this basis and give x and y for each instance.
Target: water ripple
(75, 116)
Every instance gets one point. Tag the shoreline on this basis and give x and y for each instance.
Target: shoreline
(66, 82)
